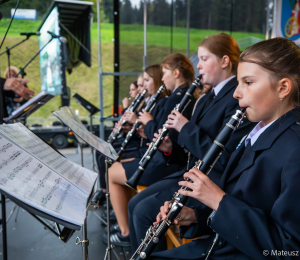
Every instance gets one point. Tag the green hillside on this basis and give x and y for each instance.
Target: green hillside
(84, 80)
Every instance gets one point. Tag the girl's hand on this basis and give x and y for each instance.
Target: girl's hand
(202, 189)
(175, 121)
(166, 145)
(142, 132)
(130, 117)
(145, 117)
(186, 217)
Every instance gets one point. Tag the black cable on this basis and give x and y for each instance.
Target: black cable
(11, 20)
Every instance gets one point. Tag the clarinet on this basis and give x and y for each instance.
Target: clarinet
(153, 147)
(113, 132)
(137, 124)
(155, 233)
(135, 103)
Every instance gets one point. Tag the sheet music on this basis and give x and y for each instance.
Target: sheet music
(36, 184)
(69, 111)
(81, 177)
(103, 147)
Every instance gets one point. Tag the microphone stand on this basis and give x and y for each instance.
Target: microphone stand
(7, 51)
(22, 72)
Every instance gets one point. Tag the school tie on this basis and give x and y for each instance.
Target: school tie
(210, 98)
(247, 148)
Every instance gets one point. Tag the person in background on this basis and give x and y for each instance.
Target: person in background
(133, 91)
(139, 85)
(9, 88)
(12, 103)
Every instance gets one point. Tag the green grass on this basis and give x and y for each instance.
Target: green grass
(84, 80)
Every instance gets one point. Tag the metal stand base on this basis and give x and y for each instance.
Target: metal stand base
(84, 242)
(4, 233)
(15, 207)
(110, 247)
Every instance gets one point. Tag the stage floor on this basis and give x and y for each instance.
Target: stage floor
(28, 239)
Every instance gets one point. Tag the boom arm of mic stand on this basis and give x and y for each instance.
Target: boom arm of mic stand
(22, 69)
(8, 49)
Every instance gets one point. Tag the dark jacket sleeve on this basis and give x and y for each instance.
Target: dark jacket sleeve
(157, 112)
(178, 155)
(3, 112)
(261, 230)
(200, 228)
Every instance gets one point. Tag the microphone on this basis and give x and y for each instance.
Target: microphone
(31, 34)
(62, 39)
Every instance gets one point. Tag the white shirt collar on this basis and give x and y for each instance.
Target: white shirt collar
(175, 89)
(219, 87)
(146, 99)
(257, 131)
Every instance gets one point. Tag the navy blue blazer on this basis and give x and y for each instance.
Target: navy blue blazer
(199, 133)
(153, 126)
(260, 209)
(158, 164)
(137, 147)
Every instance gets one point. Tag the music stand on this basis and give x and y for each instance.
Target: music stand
(104, 148)
(20, 114)
(29, 147)
(92, 110)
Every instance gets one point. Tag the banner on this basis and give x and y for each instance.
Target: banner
(287, 20)
(28, 14)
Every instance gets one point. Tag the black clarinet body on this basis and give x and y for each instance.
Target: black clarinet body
(134, 105)
(137, 124)
(153, 147)
(155, 233)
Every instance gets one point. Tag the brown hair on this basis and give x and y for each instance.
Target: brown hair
(135, 83)
(182, 63)
(281, 58)
(155, 72)
(223, 44)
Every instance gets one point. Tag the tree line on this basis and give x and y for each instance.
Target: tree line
(247, 15)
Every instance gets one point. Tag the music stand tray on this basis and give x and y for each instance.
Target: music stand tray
(29, 107)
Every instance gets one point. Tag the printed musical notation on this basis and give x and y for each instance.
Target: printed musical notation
(29, 177)
(12, 157)
(31, 143)
(5, 147)
(40, 184)
(62, 199)
(48, 196)
(34, 173)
